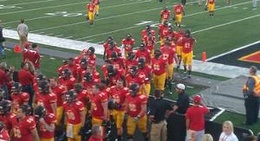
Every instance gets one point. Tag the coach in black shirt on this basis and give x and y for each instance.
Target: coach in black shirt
(176, 129)
(158, 109)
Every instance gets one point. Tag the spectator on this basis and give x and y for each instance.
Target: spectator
(158, 109)
(22, 30)
(176, 129)
(97, 133)
(251, 91)
(2, 39)
(26, 79)
(250, 138)
(4, 79)
(195, 121)
(227, 132)
(207, 137)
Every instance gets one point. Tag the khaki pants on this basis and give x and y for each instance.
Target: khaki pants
(159, 131)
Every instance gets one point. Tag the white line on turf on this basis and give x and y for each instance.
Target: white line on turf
(234, 50)
(33, 2)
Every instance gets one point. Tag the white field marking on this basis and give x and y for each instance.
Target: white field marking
(52, 58)
(35, 9)
(84, 22)
(69, 37)
(60, 35)
(43, 17)
(122, 29)
(234, 50)
(26, 3)
(224, 24)
(3, 0)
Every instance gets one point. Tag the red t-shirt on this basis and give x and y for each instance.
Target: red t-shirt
(73, 111)
(25, 77)
(22, 129)
(96, 104)
(43, 132)
(134, 104)
(159, 65)
(196, 116)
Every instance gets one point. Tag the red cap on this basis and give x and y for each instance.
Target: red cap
(197, 98)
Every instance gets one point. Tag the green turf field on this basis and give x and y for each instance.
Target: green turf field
(230, 28)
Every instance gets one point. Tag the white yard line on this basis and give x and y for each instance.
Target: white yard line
(33, 2)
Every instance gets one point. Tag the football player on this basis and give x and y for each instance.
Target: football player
(117, 96)
(90, 7)
(7, 117)
(136, 108)
(75, 116)
(159, 67)
(178, 10)
(25, 128)
(45, 123)
(146, 70)
(46, 98)
(66, 79)
(59, 90)
(18, 97)
(210, 4)
(4, 135)
(163, 29)
(127, 44)
(91, 58)
(143, 52)
(165, 14)
(188, 43)
(134, 76)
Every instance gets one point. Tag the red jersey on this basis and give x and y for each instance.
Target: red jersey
(119, 95)
(130, 63)
(178, 37)
(59, 91)
(92, 60)
(159, 65)
(43, 132)
(4, 135)
(96, 104)
(143, 54)
(35, 58)
(115, 49)
(80, 73)
(187, 44)
(95, 79)
(165, 14)
(112, 79)
(211, 1)
(138, 79)
(149, 42)
(196, 116)
(69, 83)
(91, 7)
(146, 71)
(96, 2)
(144, 33)
(83, 97)
(9, 120)
(22, 129)
(128, 44)
(25, 77)
(46, 100)
(118, 63)
(134, 104)
(73, 111)
(106, 46)
(178, 9)
(168, 53)
(19, 99)
(26, 54)
(163, 30)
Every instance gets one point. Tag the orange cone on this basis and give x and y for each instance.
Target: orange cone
(17, 49)
(204, 57)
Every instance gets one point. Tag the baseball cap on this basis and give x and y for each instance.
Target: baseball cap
(197, 98)
(180, 86)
